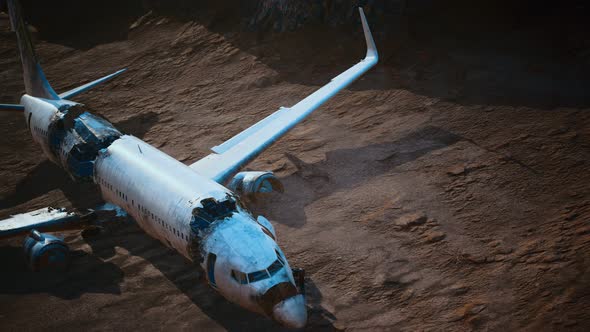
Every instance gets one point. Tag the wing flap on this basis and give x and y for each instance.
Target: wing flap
(230, 156)
(248, 132)
(45, 219)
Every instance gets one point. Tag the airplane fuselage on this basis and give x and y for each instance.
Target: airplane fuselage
(198, 217)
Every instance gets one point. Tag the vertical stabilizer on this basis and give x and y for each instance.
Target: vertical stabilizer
(36, 84)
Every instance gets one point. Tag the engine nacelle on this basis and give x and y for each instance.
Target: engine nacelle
(46, 253)
(253, 184)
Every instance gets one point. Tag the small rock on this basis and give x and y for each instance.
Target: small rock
(475, 259)
(458, 289)
(456, 170)
(468, 310)
(410, 220)
(495, 243)
(434, 236)
(408, 294)
(476, 309)
(338, 326)
(502, 251)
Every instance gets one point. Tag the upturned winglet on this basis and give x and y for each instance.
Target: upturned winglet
(371, 48)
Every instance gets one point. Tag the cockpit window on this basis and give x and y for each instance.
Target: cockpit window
(275, 267)
(239, 277)
(270, 271)
(258, 275)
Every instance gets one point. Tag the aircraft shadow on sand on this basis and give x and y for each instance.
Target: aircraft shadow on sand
(314, 181)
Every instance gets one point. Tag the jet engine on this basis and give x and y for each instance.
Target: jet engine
(46, 253)
(253, 184)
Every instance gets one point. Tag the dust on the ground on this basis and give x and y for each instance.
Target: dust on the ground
(424, 197)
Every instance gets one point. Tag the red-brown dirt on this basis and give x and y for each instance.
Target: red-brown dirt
(448, 189)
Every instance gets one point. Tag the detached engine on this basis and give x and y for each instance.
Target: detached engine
(254, 184)
(46, 253)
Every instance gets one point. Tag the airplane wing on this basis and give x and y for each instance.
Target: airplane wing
(45, 219)
(234, 153)
(50, 219)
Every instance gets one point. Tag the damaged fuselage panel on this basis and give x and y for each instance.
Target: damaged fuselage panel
(72, 137)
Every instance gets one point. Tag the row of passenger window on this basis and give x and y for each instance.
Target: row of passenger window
(144, 210)
(119, 193)
(173, 230)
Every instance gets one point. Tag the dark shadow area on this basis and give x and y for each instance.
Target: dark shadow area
(82, 24)
(525, 53)
(87, 274)
(47, 176)
(137, 125)
(189, 279)
(519, 53)
(317, 316)
(345, 169)
(532, 54)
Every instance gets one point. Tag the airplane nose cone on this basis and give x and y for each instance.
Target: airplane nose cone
(291, 312)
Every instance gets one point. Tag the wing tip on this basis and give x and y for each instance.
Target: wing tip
(371, 47)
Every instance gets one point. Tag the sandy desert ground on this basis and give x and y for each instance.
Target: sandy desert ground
(448, 189)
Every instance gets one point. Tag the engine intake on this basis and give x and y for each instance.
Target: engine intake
(46, 253)
(254, 184)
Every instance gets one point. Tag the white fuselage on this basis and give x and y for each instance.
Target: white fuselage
(242, 262)
(157, 190)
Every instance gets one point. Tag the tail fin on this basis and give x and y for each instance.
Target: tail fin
(35, 82)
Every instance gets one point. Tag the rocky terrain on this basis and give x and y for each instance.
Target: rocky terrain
(448, 189)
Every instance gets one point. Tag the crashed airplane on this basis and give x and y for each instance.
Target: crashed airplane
(195, 209)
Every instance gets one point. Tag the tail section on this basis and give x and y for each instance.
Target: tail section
(36, 84)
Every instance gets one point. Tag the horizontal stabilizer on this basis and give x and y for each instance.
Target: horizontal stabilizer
(11, 107)
(87, 86)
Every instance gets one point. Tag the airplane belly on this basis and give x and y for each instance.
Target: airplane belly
(158, 191)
